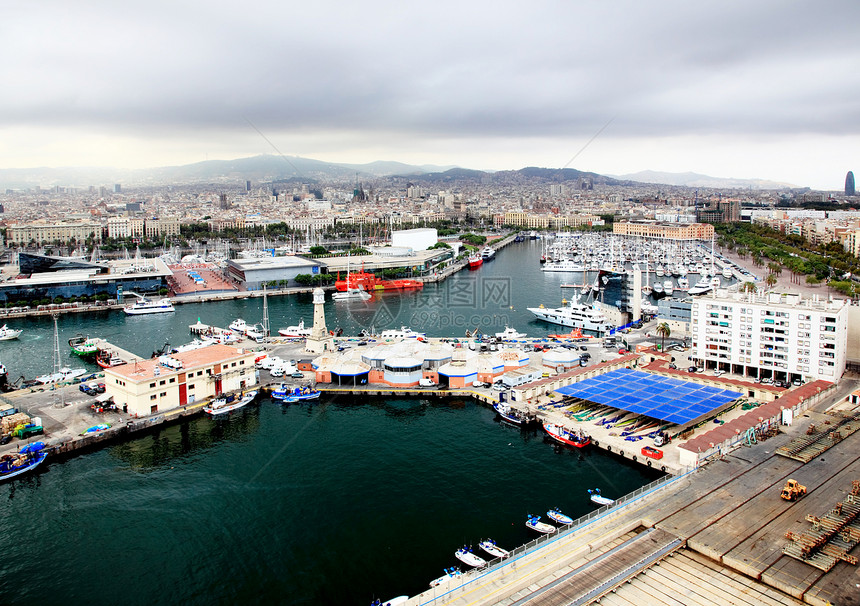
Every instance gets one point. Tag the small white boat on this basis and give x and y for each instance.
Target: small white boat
(255, 332)
(727, 272)
(64, 374)
(510, 333)
(450, 573)
(298, 331)
(145, 306)
(238, 326)
(351, 294)
(401, 599)
(559, 518)
(7, 334)
(597, 498)
(403, 333)
(535, 524)
(489, 545)
(465, 555)
(223, 404)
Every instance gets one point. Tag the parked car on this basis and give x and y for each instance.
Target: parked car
(623, 351)
(297, 375)
(691, 369)
(583, 347)
(797, 382)
(87, 389)
(719, 372)
(673, 366)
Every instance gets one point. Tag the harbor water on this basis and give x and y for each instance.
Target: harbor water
(338, 502)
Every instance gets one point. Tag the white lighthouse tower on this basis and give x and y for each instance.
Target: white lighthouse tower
(320, 340)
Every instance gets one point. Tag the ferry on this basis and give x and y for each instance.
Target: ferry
(565, 436)
(145, 306)
(27, 459)
(575, 315)
(298, 331)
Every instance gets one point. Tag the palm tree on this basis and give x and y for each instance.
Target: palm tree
(771, 280)
(748, 287)
(664, 331)
(775, 268)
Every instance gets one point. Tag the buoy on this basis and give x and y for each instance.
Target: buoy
(663, 468)
(648, 463)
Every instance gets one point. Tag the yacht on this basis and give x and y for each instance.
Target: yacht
(727, 272)
(510, 333)
(296, 331)
(402, 333)
(575, 315)
(562, 265)
(488, 254)
(7, 334)
(239, 326)
(147, 306)
(351, 294)
(701, 287)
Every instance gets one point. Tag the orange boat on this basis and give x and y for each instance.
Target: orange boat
(575, 333)
(369, 282)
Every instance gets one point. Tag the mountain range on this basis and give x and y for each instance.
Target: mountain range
(270, 168)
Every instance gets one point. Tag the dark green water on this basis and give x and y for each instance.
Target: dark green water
(337, 503)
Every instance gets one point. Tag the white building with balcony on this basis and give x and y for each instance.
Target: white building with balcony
(778, 336)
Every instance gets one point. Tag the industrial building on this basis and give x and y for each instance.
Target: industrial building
(280, 271)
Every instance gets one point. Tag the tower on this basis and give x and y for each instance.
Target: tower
(320, 340)
(849, 184)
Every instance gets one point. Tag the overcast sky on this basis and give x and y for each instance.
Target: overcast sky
(749, 89)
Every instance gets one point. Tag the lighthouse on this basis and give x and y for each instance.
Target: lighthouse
(320, 340)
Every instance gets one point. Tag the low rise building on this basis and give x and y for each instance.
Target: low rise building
(161, 384)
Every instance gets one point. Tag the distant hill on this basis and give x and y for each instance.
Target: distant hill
(381, 168)
(689, 179)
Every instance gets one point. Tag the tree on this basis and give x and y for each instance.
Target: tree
(664, 331)
(775, 268)
(771, 280)
(748, 287)
(318, 250)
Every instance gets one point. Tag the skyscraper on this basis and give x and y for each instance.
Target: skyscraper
(849, 184)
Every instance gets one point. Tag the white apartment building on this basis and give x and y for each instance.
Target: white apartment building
(784, 337)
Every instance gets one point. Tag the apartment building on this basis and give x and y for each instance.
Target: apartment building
(672, 231)
(64, 232)
(778, 336)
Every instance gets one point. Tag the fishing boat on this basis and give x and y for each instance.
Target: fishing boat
(106, 358)
(7, 334)
(298, 394)
(489, 545)
(598, 499)
(298, 331)
(27, 459)
(509, 413)
(84, 346)
(144, 306)
(450, 573)
(559, 518)
(465, 555)
(224, 404)
(475, 261)
(95, 429)
(534, 523)
(510, 333)
(566, 436)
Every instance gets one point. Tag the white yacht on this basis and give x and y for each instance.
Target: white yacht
(296, 331)
(701, 287)
(402, 333)
(351, 294)
(238, 326)
(563, 265)
(510, 333)
(575, 315)
(727, 272)
(7, 334)
(147, 306)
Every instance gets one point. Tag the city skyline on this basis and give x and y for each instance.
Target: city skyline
(729, 90)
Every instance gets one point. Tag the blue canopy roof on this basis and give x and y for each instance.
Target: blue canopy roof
(664, 398)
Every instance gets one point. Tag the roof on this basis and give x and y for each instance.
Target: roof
(205, 356)
(664, 398)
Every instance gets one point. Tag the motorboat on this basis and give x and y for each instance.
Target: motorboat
(564, 265)
(297, 394)
(559, 518)
(351, 294)
(107, 358)
(450, 573)
(255, 332)
(221, 338)
(701, 287)
(465, 555)
(298, 331)
(401, 599)
(575, 315)
(566, 436)
(7, 334)
(508, 413)
(668, 287)
(225, 404)
(597, 498)
(534, 523)
(510, 333)
(727, 272)
(238, 326)
(488, 254)
(402, 333)
(26, 459)
(683, 283)
(144, 306)
(489, 546)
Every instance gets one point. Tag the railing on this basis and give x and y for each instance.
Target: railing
(470, 577)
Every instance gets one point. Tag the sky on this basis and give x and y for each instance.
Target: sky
(766, 89)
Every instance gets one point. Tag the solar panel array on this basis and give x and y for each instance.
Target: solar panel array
(663, 398)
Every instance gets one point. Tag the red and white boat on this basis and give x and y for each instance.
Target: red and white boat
(566, 436)
(475, 261)
(108, 359)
